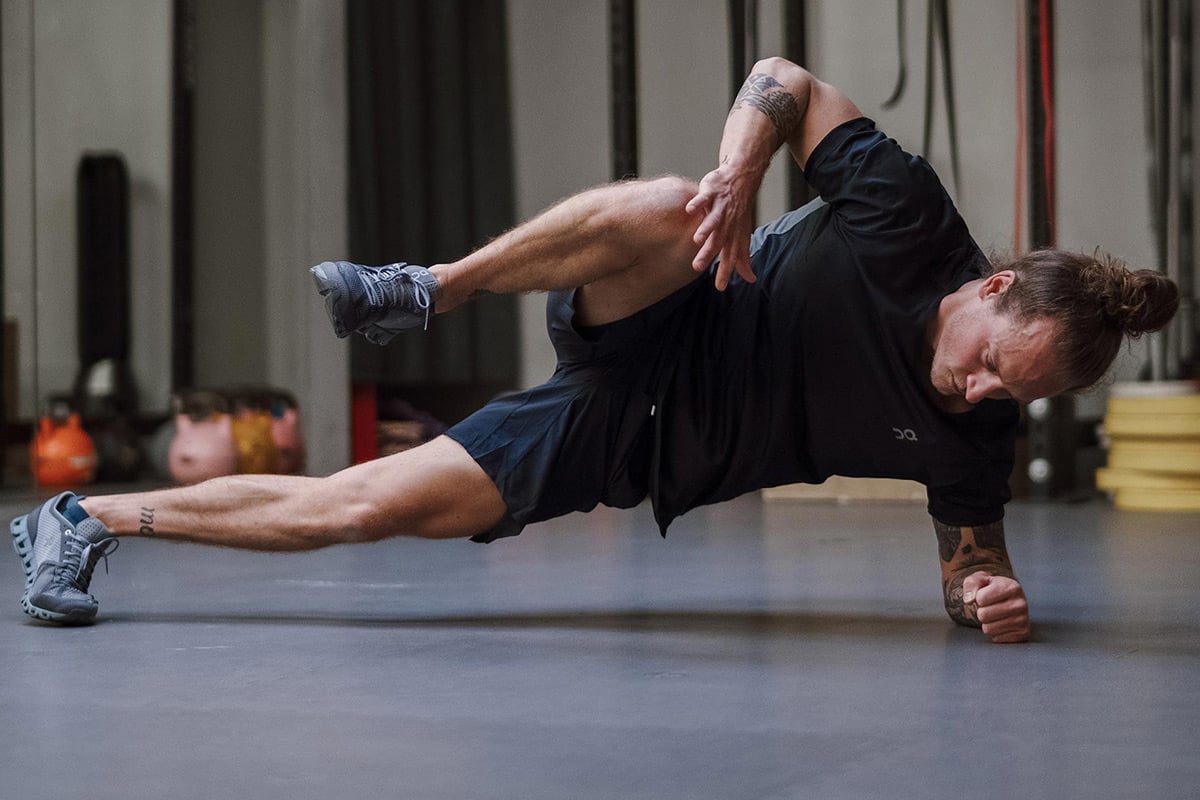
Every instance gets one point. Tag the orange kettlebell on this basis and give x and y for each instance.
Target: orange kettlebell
(62, 454)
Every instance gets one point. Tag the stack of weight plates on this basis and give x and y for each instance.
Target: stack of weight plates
(1154, 455)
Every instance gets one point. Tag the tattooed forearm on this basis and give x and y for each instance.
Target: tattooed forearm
(968, 546)
(771, 98)
(960, 612)
(991, 538)
(965, 550)
(949, 538)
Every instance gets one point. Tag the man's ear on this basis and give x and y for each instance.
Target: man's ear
(996, 284)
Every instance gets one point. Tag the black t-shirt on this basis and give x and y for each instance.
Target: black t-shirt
(818, 368)
(895, 247)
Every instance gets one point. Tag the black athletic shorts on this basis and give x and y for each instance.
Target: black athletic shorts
(585, 436)
(655, 405)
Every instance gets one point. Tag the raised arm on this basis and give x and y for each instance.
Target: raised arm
(780, 103)
(978, 584)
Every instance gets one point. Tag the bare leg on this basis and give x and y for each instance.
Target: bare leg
(626, 245)
(434, 491)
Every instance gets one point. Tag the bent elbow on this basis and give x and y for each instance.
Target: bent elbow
(788, 73)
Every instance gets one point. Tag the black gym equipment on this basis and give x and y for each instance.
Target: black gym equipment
(622, 64)
(104, 389)
(1167, 74)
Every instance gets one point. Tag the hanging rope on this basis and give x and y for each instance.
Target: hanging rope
(1018, 226)
(937, 40)
(902, 46)
(1047, 74)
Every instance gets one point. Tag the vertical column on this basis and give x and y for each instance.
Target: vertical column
(4, 376)
(1181, 262)
(183, 82)
(622, 19)
(305, 155)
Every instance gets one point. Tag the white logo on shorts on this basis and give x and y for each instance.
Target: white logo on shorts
(907, 434)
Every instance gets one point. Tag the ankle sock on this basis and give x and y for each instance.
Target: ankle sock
(71, 509)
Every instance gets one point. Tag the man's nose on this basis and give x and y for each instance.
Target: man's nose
(980, 385)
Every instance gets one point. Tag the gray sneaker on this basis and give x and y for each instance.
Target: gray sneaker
(378, 302)
(58, 558)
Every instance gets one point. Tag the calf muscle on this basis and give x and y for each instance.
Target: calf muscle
(436, 490)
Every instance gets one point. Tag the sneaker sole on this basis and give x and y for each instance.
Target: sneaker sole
(331, 284)
(377, 335)
(69, 618)
(332, 287)
(19, 528)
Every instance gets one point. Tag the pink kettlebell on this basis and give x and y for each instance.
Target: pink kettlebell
(289, 442)
(202, 448)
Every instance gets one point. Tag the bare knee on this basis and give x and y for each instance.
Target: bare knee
(647, 228)
(662, 200)
(356, 513)
(672, 190)
(433, 491)
(647, 218)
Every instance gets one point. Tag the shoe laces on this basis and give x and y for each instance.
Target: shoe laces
(385, 287)
(80, 556)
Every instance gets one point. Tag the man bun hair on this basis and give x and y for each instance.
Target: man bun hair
(1136, 301)
(1095, 302)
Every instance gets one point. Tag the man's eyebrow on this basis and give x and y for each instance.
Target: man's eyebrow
(1011, 388)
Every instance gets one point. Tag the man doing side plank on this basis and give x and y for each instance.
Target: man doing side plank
(864, 334)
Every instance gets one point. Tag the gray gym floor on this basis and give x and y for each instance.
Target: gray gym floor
(778, 650)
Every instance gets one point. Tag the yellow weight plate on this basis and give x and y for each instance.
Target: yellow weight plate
(1153, 388)
(1157, 500)
(1110, 480)
(1155, 456)
(1153, 425)
(1183, 404)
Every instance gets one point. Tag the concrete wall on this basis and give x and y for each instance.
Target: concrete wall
(228, 235)
(84, 77)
